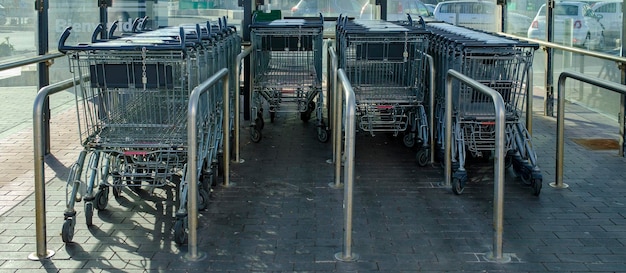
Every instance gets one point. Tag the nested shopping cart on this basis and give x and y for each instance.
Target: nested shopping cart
(502, 64)
(132, 103)
(287, 71)
(387, 67)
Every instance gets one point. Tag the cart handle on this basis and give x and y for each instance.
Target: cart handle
(96, 32)
(113, 28)
(168, 46)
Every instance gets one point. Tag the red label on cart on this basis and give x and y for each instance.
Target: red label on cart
(134, 153)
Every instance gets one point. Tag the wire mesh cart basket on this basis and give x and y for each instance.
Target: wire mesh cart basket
(501, 63)
(132, 104)
(287, 71)
(387, 67)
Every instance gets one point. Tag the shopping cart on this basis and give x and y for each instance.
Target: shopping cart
(132, 116)
(502, 64)
(387, 67)
(287, 70)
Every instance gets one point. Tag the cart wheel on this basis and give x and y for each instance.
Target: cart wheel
(457, 186)
(508, 161)
(214, 175)
(67, 232)
(89, 213)
(255, 135)
(203, 201)
(305, 116)
(525, 176)
(180, 232)
(322, 135)
(102, 198)
(117, 188)
(408, 140)
(259, 120)
(422, 157)
(536, 184)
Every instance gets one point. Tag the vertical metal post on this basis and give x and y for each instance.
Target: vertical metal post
(226, 130)
(192, 172)
(549, 83)
(237, 117)
(431, 103)
(529, 100)
(498, 188)
(347, 255)
(560, 122)
(622, 68)
(42, 68)
(336, 129)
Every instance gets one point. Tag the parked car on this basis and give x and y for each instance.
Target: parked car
(473, 14)
(586, 31)
(397, 10)
(431, 7)
(328, 8)
(611, 12)
(517, 24)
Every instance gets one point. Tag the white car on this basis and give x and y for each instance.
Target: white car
(397, 10)
(472, 14)
(611, 17)
(517, 23)
(586, 29)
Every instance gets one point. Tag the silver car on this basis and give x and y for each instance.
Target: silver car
(584, 28)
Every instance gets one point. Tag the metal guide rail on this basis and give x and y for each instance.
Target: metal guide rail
(500, 63)
(387, 67)
(287, 71)
(132, 114)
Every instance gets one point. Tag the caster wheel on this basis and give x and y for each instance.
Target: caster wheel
(255, 135)
(457, 186)
(180, 232)
(67, 232)
(89, 213)
(508, 161)
(322, 135)
(408, 140)
(422, 157)
(203, 200)
(525, 176)
(214, 174)
(536, 185)
(102, 198)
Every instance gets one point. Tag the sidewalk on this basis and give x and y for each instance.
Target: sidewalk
(281, 215)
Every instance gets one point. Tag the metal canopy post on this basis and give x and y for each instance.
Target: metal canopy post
(499, 154)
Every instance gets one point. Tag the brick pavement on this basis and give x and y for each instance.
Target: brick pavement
(281, 216)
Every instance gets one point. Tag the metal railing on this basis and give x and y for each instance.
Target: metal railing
(39, 153)
(499, 154)
(29, 61)
(345, 92)
(192, 165)
(549, 99)
(615, 87)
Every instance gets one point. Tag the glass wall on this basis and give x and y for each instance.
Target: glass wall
(591, 25)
